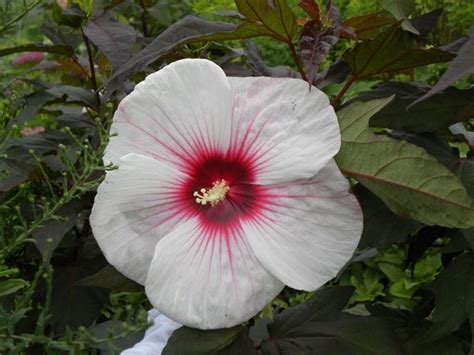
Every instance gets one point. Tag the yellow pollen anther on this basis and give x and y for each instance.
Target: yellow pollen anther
(214, 195)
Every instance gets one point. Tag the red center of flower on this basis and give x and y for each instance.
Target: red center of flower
(235, 175)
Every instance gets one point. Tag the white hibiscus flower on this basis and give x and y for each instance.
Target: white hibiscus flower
(226, 191)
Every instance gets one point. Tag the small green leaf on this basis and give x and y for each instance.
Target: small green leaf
(8, 287)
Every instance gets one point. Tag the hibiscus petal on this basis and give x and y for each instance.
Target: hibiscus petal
(175, 114)
(207, 277)
(308, 229)
(288, 131)
(135, 206)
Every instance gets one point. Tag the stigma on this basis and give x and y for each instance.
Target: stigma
(212, 195)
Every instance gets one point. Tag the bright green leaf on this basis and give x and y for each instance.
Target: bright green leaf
(8, 287)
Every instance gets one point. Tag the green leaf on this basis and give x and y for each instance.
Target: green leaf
(110, 278)
(310, 328)
(196, 341)
(400, 9)
(440, 111)
(410, 181)
(382, 227)
(55, 49)
(272, 19)
(8, 287)
(116, 328)
(366, 282)
(393, 50)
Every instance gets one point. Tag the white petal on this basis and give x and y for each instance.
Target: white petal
(135, 206)
(309, 231)
(289, 131)
(208, 278)
(182, 110)
(156, 337)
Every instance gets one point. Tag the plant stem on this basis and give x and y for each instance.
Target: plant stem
(91, 65)
(341, 93)
(297, 60)
(143, 18)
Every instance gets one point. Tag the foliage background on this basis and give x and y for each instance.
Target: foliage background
(409, 288)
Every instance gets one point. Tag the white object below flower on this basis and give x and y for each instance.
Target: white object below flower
(226, 191)
(156, 337)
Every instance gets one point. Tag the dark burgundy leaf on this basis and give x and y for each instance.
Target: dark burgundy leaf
(113, 38)
(312, 9)
(196, 341)
(108, 277)
(382, 227)
(391, 51)
(423, 239)
(259, 68)
(401, 9)
(319, 326)
(440, 111)
(460, 67)
(55, 229)
(426, 22)
(268, 18)
(336, 73)
(333, 14)
(188, 29)
(315, 43)
(455, 46)
(13, 173)
(325, 305)
(369, 26)
(454, 297)
(73, 306)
